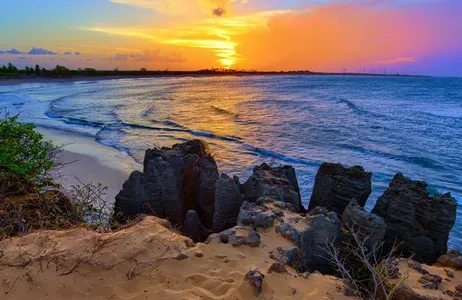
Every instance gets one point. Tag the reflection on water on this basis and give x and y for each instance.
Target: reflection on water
(386, 124)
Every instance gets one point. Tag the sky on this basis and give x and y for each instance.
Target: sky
(377, 36)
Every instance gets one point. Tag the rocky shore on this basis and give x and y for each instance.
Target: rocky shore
(183, 185)
(192, 232)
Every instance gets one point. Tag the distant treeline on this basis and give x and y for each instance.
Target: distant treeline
(63, 72)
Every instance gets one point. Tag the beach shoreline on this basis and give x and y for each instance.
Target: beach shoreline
(83, 160)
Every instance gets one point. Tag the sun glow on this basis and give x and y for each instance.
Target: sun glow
(217, 34)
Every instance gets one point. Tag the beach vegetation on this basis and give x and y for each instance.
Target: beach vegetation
(25, 157)
(368, 271)
(30, 198)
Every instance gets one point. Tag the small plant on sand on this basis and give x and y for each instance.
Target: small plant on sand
(366, 270)
(25, 157)
(91, 204)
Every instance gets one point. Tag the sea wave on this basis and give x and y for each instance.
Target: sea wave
(223, 111)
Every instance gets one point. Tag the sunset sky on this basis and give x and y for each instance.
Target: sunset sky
(405, 36)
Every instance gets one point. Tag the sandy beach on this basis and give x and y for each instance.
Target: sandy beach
(83, 160)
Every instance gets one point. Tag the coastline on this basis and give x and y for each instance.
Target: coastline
(83, 160)
(34, 79)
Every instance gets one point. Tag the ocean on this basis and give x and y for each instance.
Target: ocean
(387, 124)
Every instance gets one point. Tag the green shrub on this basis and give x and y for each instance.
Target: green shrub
(25, 158)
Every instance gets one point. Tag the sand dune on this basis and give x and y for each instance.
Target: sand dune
(140, 262)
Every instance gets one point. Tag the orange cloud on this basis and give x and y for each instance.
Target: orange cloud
(397, 60)
(356, 35)
(327, 37)
(215, 34)
(182, 7)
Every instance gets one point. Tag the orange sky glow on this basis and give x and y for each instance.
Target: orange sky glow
(334, 35)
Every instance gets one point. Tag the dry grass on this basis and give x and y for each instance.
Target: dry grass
(366, 270)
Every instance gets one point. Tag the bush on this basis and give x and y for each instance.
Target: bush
(22, 214)
(25, 158)
(368, 272)
(27, 201)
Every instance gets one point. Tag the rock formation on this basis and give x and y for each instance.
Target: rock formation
(182, 185)
(278, 183)
(420, 222)
(227, 203)
(193, 227)
(335, 186)
(174, 180)
(364, 223)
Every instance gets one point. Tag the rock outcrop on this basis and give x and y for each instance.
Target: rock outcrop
(182, 184)
(174, 180)
(278, 183)
(364, 223)
(228, 202)
(452, 259)
(310, 234)
(193, 228)
(335, 186)
(419, 222)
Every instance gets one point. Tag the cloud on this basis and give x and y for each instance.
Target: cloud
(120, 57)
(71, 53)
(156, 56)
(148, 56)
(11, 51)
(182, 7)
(215, 34)
(41, 51)
(218, 12)
(397, 60)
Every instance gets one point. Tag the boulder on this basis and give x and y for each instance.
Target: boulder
(240, 236)
(420, 223)
(452, 259)
(335, 186)
(256, 215)
(193, 228)
(255, 279)
(227, 203)
(174, 181)
(310, 234)
(322, 226)
(364, 223)
(278, 183)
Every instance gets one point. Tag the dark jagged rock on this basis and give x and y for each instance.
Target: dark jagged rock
(289, 232)
(322, 226)
(430, 281)
(310, 234)
(174, 180)
(240, 237)
(419, 222)
(256, 215)
(404, 292)
(452, 259)
(278, 183)
(193, 227)
(335, 186)
(292, 257)
(227, 203)
(255, 278)
(364, 223)
(252, 239)
(278, 267)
